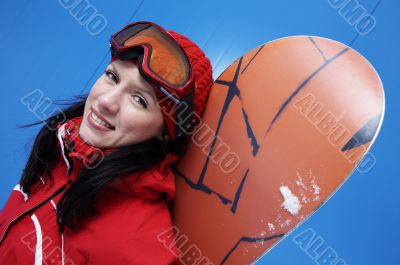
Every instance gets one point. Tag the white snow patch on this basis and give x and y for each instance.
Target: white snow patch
(271, 227)
(311, 187)
(286, 223)
(305, 199)
(291, 203)
(246, 249)
(316, 188)
(300, 181)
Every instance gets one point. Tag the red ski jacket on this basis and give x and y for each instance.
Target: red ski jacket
(132, 217)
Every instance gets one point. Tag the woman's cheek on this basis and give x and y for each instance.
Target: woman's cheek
(136, 120)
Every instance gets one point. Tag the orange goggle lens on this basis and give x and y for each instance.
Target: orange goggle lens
(166, 59)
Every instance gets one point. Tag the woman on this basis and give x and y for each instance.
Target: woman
(97, 184)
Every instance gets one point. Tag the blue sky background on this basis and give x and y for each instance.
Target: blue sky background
(44, 47)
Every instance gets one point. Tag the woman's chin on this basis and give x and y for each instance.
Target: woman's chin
(90, 137)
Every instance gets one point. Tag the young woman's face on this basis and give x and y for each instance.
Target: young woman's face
(121, 109)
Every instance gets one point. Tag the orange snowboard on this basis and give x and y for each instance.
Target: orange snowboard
(284, 127)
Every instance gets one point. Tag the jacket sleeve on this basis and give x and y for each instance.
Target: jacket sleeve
(154, 241)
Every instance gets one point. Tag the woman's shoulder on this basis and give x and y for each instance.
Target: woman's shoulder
(156, 183)
(130, 212)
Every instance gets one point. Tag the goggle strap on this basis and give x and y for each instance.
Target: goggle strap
(169, 95)
(183, 125)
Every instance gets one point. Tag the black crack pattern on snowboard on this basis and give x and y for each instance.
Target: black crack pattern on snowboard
(364, 135)
(238, 192)
(318, 48)
(302, 85)
(252, 58)
(250, 240)
(200, 186)
(233, 90)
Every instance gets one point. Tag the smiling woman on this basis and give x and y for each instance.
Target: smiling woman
(97, 187)
(121, 108)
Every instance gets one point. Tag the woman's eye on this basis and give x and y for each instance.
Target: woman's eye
(111, 75)
(141, 101)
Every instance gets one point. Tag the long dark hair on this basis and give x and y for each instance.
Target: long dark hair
(79, 200)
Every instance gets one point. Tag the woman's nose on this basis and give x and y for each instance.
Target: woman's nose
(108, 103)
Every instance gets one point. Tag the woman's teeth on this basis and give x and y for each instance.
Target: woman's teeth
(101, 122)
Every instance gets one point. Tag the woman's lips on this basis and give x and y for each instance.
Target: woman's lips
(97, 125)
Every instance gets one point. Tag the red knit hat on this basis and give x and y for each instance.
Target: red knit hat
(203, 77)
(202, 69)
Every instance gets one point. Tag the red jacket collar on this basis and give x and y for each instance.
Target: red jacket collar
(149, 184)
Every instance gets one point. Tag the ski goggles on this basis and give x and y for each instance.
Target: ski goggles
(162, 62)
